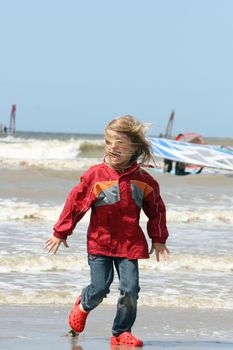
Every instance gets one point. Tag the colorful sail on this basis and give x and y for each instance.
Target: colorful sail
(12, 119)
(192, 153)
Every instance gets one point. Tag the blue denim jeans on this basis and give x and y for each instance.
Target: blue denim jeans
(102, 274)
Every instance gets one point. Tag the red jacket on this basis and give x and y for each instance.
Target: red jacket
(116, 201)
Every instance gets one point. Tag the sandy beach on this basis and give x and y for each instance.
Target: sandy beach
(42, 327)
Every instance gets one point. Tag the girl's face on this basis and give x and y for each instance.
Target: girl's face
(119, 149)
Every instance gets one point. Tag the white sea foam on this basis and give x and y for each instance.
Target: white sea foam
(54, 154)
(208, 215)
(13, 209)
(32, 263)
(21, 149)
(190, 262)
(64, 295)
(22, 210)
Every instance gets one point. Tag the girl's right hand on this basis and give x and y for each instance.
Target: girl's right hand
(53, 243)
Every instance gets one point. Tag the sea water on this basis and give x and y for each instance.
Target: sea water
(38, 170)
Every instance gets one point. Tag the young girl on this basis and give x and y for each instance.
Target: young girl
(116, 190)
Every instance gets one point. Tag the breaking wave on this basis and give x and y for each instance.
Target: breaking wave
(50, 153)
(48, 280)
(20, 210)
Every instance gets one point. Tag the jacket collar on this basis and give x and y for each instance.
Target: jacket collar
(133, 167)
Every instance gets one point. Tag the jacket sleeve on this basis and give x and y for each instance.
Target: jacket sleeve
(77, 204)
(155, 210)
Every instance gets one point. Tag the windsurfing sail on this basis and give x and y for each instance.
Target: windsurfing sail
(190, 137)
(192, 153)
(168, 131)
(12, 119)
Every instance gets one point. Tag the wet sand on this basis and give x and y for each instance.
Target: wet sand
(42, 327)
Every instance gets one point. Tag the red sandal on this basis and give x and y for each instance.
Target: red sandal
(126, 338)
(77, 317)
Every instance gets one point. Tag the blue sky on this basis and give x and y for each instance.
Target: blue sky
(71, 65)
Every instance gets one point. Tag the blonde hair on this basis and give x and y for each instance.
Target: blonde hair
(135, 131)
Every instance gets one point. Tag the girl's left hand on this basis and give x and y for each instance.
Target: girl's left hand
(159, 248)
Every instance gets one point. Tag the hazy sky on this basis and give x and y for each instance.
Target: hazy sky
(72, 65)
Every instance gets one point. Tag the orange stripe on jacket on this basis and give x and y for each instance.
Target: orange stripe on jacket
(101, 186)
(143, 186)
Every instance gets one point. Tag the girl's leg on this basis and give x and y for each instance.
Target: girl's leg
(129, 288)
(102, 274)
(101, 279)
